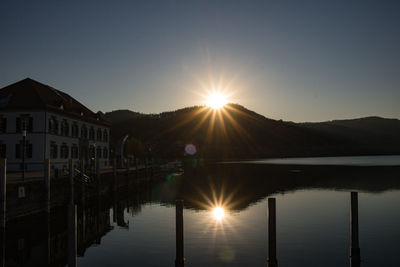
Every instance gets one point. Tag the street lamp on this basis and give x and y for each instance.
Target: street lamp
(23, 154)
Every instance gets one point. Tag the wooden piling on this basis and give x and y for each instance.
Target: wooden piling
(179, 259)
(47, 179)
(355, 257)
(3, 193)
(272, 260)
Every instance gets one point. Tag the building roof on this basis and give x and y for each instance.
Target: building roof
(29, 94)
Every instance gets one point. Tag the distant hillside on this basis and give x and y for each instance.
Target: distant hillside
(122, 115)
(368, 132)
(240, 133)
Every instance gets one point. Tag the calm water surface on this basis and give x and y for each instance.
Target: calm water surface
(313, 220)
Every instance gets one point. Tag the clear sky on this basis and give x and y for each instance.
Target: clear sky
(290, 60)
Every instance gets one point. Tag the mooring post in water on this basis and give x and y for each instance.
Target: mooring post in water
(355, 257)
(179, 259)
(72, 246)
(272, 260)
(47, 179)
(3, 193)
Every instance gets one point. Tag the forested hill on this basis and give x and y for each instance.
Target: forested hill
(236, 132)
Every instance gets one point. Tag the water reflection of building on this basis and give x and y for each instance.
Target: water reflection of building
(40, 240)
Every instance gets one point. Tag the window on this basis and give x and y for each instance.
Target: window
(84, 131)
(64, 128)
(91, 151)
(74, 151)
(74, 130)
(64, 151)
(3, 151)
(105, 153)
(91, 133)
(28, 149)
(98, 153)
(53, 150)
(3, 124)
(24, 122)
(105, 136)
(99, 134)
(53, 125)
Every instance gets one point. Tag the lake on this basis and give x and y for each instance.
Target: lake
(137, 228)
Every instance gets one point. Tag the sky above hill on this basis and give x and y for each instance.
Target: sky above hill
(290, 60)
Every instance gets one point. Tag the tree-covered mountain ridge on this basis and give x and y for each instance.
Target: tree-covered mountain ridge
(236, 132)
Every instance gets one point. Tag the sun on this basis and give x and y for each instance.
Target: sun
(218, 213)
(216, 100)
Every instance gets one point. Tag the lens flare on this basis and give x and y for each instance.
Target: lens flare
(190, 149)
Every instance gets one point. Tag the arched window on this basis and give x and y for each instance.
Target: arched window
(92, 151)
(99, 134)
(3, 124)
(74, 130)
(53, 150)
(74, 151)
(64, 128)
(105, 153)
(91, 133)
(84, 131)
(64, 151)
(105, 136)
(53, 125)
(98, 153)
(19, 147)
(24, 122)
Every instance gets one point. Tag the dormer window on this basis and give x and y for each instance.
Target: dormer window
(62, 107)
(81, 113)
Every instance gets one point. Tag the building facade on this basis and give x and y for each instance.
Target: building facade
(55, 125)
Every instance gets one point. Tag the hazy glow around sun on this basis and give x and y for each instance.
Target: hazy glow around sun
(216, 100)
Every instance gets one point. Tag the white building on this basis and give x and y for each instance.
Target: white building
(57, 126)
